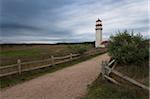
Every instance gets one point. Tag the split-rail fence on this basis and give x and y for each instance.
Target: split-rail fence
(108, 67)
(20, 67)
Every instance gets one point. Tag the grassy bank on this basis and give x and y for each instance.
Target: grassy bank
(137, 72)
(25, 76)
(103, 89)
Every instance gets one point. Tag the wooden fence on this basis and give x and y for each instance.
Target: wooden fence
(20, 67)
(108, 68)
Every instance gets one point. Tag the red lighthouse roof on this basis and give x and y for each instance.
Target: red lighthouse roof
(105, 42)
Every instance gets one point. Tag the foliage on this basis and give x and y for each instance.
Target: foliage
(127, 48)
(79, 48)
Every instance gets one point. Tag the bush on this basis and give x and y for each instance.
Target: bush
(79, 48)
(128, 48)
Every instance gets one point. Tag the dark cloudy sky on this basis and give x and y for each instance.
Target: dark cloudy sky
(51, 21)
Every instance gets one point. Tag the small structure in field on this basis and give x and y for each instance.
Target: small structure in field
(105, 43)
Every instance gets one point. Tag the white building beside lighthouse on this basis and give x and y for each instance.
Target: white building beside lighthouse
(98, 34)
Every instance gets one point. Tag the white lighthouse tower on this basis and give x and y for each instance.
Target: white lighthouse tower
(98, 33)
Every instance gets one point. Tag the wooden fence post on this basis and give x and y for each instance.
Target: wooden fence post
(103, 70)
(106, 65)
(19, 66)
(52, 60)
(70, 56)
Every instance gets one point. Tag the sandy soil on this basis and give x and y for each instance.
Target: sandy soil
(68, 83)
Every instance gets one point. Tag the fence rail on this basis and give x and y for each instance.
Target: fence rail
(28, 66)
(106, 70)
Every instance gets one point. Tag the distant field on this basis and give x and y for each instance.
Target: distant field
(16, 53)
(10, 53)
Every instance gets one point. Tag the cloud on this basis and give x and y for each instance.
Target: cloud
(69, 20)
(15, 26)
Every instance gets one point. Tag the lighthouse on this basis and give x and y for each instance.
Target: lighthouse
(98, 33)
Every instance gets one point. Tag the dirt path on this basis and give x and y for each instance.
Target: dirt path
(68, 83)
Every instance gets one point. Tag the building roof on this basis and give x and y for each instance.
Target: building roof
(105, 42)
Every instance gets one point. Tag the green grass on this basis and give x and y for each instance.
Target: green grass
(20, 53)
(102, 89)
(25, 76)
(9, 54)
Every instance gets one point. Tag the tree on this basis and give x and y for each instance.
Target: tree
(128, 48)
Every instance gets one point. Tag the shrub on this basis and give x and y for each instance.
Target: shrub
(79, 48)
(127, 48)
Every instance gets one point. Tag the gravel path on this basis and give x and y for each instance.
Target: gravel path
(68, 83)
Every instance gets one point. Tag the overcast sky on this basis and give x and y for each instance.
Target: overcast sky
(51, 21)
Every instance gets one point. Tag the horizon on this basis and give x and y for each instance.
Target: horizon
(56, 21)
(38, 43)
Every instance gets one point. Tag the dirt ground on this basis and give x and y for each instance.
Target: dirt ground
(68, 83)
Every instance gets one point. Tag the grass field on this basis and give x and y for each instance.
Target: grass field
(16, 53)
(25, 76)
(10, 53)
